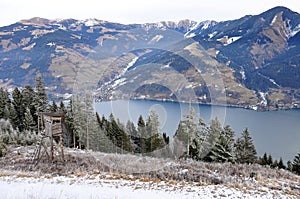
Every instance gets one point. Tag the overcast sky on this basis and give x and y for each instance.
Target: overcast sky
(137, 11)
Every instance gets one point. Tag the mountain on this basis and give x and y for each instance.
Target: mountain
(252, 62)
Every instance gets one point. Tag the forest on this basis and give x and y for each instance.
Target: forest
(87, 130)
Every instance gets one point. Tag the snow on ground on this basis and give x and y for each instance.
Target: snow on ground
(293, 32)
(232, 39)
(156, 39)
(22, 185)
(130, 64)
(263, 97)
(274, 20)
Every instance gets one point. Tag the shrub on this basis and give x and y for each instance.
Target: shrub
(3, 149)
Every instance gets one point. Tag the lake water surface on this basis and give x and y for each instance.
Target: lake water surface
(274, 132)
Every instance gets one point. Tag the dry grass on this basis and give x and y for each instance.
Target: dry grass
(88, 164)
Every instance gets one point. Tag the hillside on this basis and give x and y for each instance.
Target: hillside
(249, 62)
(96, 174)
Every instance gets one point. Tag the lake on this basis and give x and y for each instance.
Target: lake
(274, 132)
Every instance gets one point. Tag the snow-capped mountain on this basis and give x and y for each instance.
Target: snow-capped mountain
(255, 54)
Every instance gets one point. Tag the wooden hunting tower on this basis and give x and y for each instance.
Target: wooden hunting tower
(50, 124)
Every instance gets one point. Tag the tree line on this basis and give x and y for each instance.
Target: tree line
(85, 129)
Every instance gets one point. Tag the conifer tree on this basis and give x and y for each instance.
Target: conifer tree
(53, 107)
(19, 108)
(28, 120)
(244, 148)
(166, 138)
(142, 136)
(280, 164)
(6, 112)
(187, 133)
(29, 102)
(296, 164)
(118, 136)
(264, 159)
(223, 150)
(99, 121)
(275, 164)
(13, 116)
(270, 160)
(154, 139)
(62, 107)
(41, 98)
(289, 166)
(4, 103)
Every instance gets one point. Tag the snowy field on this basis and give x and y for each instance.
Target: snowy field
(88, 174)
(28, 185)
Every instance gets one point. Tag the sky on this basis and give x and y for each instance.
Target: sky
(137, 11)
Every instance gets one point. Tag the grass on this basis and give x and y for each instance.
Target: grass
(153, 171)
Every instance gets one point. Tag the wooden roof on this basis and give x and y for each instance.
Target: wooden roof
(53, 114)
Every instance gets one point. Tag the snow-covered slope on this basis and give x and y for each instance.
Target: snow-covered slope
(31, 185)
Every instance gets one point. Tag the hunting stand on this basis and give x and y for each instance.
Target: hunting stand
(51, 130)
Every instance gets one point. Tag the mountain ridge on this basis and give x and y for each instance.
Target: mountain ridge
(256, 54)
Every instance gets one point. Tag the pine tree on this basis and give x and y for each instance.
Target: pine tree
(244, 148)
(142, 135)
(6, 112)
(19, 107)
(41, 98)
(154, 139)
(53, 107)
(275, 164)
(166, 139)
(99, 121)
(82, 113)
(289, 166)
(70, 137)
(118, 136)
(28, 120)
(4, 103)
(13, 116)
(270, 160)
(187, 133)
(223, 149)
(28, 97)
(264, 159)
(296, 164)
(280, 164)
(29, 102)
(62, 107)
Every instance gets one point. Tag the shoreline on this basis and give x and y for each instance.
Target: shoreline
(247, 107)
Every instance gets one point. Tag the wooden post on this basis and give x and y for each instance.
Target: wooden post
(51, 140)
(61, 148)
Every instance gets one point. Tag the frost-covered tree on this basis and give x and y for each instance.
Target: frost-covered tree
(29, 123)
(245, 151)
(142, 136)
(13, 116)
(29, 102)
(154, 138)
(296, 164)
(83, 119)
(186, 133)
(223, 149)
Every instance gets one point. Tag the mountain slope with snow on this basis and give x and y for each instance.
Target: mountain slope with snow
(254, 54)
